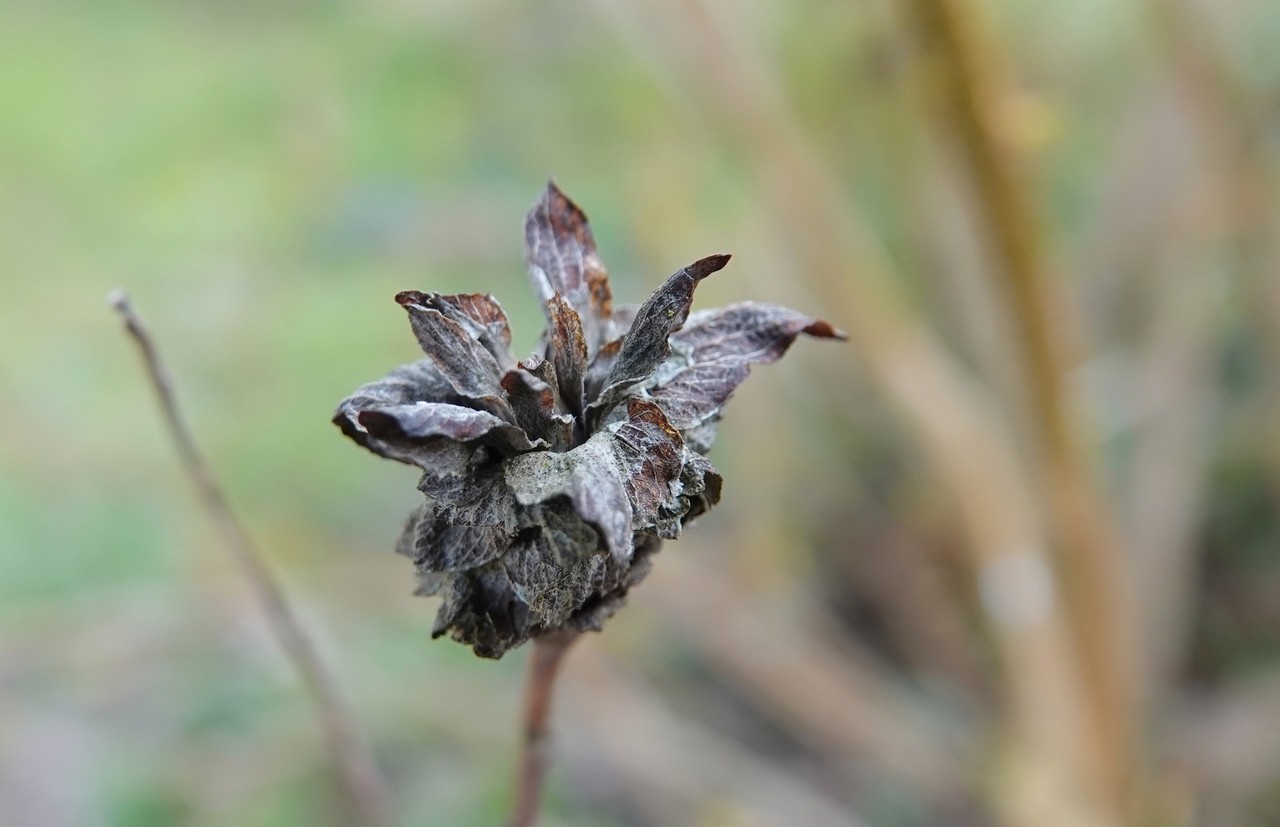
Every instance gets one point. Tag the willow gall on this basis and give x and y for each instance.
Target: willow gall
(550, 483)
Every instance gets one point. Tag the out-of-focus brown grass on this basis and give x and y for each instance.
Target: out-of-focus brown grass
(1010, 557)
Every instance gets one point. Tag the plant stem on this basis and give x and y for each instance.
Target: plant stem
(544, 664)
(365, 787)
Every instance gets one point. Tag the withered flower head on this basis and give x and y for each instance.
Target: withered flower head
(551, 482)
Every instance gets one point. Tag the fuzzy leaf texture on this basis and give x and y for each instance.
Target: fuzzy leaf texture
(549, 483)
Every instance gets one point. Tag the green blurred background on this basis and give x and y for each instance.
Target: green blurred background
(848, 639)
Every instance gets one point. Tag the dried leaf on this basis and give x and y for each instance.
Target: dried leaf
(482, 317)
(715, 352)
(552, 586)
(469, 526)
(646, 344)
(415, 382)
(561, 255)
(567, 351)
(589, 477)
(469, 368)
(534, 403)
(438, 547)
(652, 454)
(421, 421)
(610, 595)
(620, 481)
(482, 610)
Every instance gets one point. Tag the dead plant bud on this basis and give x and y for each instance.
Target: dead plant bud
(550, 483)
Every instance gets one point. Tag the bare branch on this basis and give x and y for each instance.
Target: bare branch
(369, 797)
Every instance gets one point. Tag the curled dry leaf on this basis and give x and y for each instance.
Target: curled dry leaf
(545, 496)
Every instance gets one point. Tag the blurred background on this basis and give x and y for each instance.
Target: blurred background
(1010, 557)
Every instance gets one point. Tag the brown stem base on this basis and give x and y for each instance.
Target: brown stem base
(544, 665)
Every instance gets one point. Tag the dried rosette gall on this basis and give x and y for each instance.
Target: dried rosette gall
(550, 483)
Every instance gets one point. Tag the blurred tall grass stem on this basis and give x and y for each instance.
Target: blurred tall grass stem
(367, 792)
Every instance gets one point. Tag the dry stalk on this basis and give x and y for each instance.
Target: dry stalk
(367, 792)
(1090, 554)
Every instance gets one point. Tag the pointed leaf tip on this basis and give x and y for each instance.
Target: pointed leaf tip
(408, 297)
(825, 330)
(704, 267)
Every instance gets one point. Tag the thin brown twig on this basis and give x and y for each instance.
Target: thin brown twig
(368, 795)
(544, 664)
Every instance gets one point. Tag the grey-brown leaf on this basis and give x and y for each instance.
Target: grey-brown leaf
(561, 255)
(715, 352)
(534, 403)
(483, 319)
(647, 343)
(422, 421)
(469, 368)
(567, 350)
